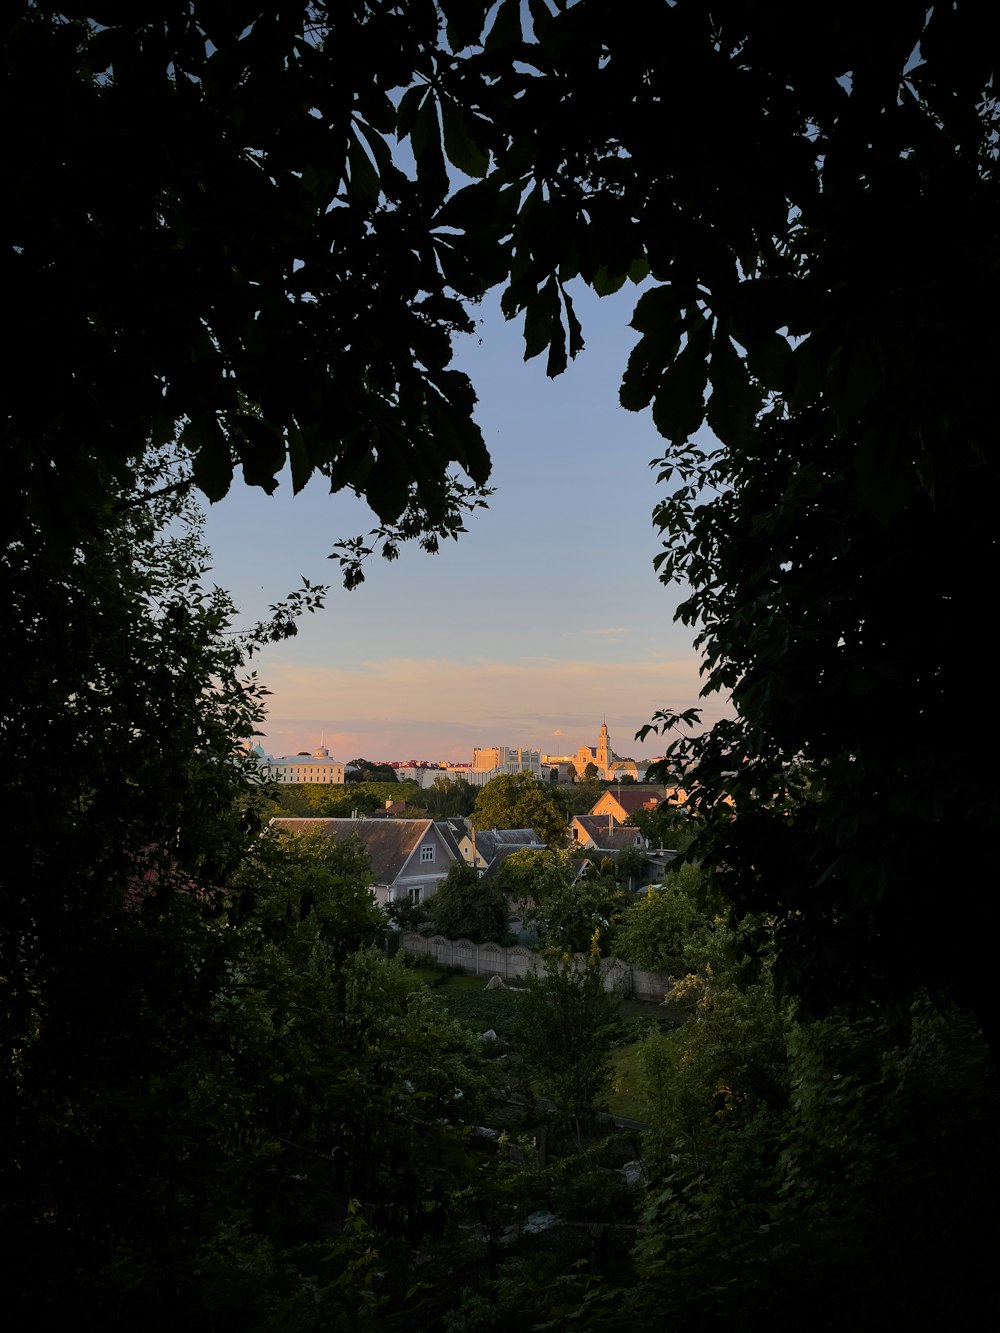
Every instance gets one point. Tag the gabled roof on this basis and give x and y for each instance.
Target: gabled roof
(614, 839)
(594, 825)
(490, 841)
(497, 860)
(449, 834)
(618, 840)
(632, 799)
(389, 842)
(459, 827)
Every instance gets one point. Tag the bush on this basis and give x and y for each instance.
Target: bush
(466, 907)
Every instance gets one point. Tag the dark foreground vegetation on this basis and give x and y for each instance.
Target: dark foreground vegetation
(222, 1106)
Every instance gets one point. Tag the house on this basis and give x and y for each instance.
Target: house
(409, 857)
(604, 833)
(624, 802)
(481, 847)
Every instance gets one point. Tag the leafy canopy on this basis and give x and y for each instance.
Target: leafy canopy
(275, 282)
(468, 907)
(520, 800)
(565, 1028)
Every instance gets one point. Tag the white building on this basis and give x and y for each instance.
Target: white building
(422, 774)
(315, 767)
(490, 761)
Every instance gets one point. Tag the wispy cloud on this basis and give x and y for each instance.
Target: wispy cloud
(400, 706)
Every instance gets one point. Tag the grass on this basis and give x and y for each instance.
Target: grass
(625, 1099)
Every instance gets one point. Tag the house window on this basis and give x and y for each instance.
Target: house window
(417, 893)
(427, 853)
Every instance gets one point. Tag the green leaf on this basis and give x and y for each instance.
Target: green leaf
(409, 105)
(377, 108)
(656, 308)
(544, 25)
(576, 343)
(426, 132)
(605, 283)
(769, 359)
(364, 178)
(887, 474)
(380, 150)
(462, 151)
(638, 269)
(213, 466)
(506, 29)
(261, 451)
(426, 140)
(556, 363)
(481, 207)
(538, 316)
(299, 459)
(735, 401)
(465, 19)
(646, 363)
(679, 405)
(387, 491)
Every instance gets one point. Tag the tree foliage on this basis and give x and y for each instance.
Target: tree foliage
(214, 240)
(447, 797)
(520, 800)
(806, 248)
(582, 795)
(364, 770)
(657, 928)
(571, 912)
(127, 838)
(467, 907)
(666, 827)
(315, 800)
(531, 874)
(302, 316)
(564, 1030)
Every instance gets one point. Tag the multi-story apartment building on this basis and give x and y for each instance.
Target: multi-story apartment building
(490, 761)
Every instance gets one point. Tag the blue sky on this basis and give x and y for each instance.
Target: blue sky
(544, 619)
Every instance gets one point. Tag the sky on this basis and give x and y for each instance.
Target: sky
(542, 621)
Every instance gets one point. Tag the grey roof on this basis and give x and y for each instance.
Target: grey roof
(459, 826)
(594, 825)
(389, 842)
(614, 839)
(449, 836)
(490, 841)
(499, 857)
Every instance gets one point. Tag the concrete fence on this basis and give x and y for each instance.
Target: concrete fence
(514, 962)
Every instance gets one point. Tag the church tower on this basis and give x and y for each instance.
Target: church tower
(604, 752)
